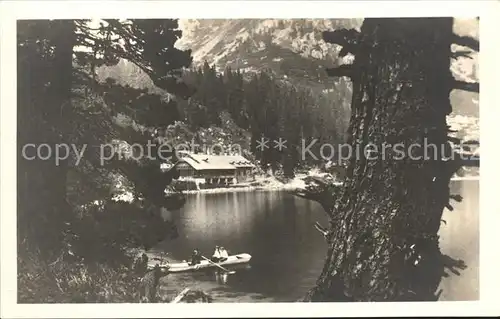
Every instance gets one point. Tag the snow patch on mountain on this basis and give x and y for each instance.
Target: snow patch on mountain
(466, 68)
(466, 127)
(234, 42)
(294, 50)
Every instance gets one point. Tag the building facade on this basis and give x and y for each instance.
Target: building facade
(215, 170)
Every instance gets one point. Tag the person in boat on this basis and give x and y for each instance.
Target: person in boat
(216, 255)
(223, 254)
(195, 257)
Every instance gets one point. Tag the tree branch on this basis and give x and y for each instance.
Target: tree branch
(319, 190)
(466, 42)
(471, 142)
(472, 161)
(343, 70)
(454, 139)
(466, 86)
(321, 199)
(341, 37)
(456, 197)
(347, 38)
(460, 54)
(322, 230)
(180, 295)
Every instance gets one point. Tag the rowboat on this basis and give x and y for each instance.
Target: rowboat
(204, 264)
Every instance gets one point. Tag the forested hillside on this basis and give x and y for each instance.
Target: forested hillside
(261, 106)
(268, 78)
(100, 87)
(72, 237)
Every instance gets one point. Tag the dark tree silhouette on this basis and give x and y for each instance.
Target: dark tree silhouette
(56, 58)
(382, 237)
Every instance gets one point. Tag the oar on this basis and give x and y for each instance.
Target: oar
(229, 272)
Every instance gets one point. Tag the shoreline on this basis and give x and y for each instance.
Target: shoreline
(285, 187)
(239, 189)
(275, 185)
(157, 256)
(466, 178)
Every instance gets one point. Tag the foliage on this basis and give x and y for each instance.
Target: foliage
(383, 236)
(268, 108)
(64, 282)
(71, 235)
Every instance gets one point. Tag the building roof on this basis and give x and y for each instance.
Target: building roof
(226, 162)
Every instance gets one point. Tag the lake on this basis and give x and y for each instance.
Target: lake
(276, 228)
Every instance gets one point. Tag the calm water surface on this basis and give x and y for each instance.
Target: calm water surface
(276, 228)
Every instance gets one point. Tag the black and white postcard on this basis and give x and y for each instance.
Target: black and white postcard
(300, 158)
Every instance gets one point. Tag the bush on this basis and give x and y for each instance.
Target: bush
(68, 281)
(94, 265)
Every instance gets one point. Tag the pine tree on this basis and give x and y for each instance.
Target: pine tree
(48, 92)
(383, 242)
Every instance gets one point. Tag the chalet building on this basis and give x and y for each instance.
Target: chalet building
(215, 169)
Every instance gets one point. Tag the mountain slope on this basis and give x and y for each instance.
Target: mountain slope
(294, 50)
(289, 48)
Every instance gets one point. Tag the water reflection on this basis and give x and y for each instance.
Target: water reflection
(459, 240)
(276, 228)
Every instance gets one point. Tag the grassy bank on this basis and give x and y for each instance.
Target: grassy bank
(97, 258)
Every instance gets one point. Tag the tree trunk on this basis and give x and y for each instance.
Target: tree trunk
(44, 105)
(383, 242)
